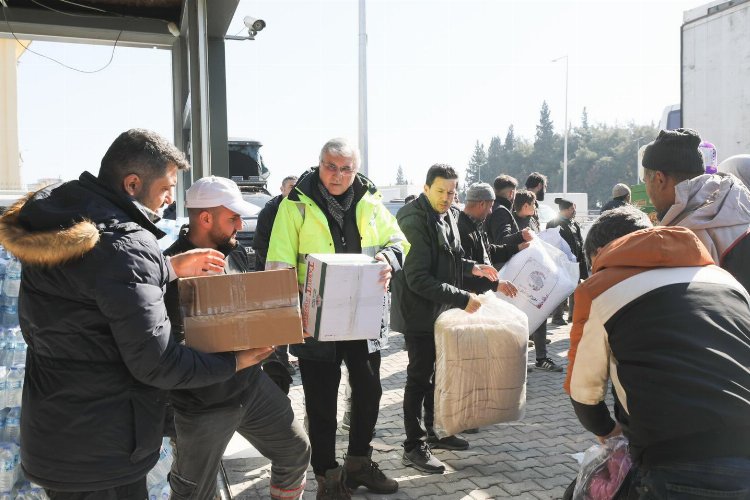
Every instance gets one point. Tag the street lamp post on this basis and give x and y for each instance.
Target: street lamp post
(565, 135)
(363, 149)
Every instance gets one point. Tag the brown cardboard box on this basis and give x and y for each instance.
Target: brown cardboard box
(232, 312)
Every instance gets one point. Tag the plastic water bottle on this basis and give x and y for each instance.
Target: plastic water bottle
(154, 493)
(9, 345)
(13, 426)
(166, 491)
(4, 371)
(7, 468)
(14, 388)
(11, 288)
(158, 475)
(18, 356)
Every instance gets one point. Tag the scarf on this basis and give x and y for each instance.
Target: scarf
(336, 209)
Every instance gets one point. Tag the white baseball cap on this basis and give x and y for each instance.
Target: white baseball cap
(213, 191)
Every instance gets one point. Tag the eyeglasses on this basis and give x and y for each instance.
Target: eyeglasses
(347, 170)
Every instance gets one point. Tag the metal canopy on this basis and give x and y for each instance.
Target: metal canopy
(195, 38)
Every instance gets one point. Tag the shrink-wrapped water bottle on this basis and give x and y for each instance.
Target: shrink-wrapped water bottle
(13, 426)
(14, 388)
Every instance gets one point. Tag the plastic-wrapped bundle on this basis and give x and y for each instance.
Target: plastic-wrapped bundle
(603, 470)
(480, 368)
(544, 277)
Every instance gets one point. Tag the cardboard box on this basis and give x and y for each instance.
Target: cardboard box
(342, 299)
(232, 312)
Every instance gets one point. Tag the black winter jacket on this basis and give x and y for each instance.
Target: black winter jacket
(433, 271)
(502, 228)
(570, 231)
(477, 247)
(262, 236)
(92, 312)
(230, 393)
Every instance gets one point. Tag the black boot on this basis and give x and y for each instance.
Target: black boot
(362, 471)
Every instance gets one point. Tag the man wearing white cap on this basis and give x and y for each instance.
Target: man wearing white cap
(620, 197)
(249, 403)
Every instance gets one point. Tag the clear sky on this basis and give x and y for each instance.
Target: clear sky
(441, 75)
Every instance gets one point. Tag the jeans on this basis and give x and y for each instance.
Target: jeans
(320, 381)
(539, 336)
(420, 388)
(132, 491)
(725, 478)
(267, 422)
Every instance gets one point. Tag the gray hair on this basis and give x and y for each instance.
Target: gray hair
(614, 224)
(341, 147)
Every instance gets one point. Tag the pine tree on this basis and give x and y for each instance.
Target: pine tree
(495, 159)
(477, 163)
(400, 177)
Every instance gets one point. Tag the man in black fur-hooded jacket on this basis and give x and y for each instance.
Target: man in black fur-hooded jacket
(91, 309)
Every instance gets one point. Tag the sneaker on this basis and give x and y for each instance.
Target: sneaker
(547, 364)
(447, 443)
(547, 341)
(559, 321)
(474, 430)
(421, 458)
(362, 471)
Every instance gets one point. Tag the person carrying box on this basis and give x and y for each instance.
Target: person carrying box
(249, 403)
(335, 209)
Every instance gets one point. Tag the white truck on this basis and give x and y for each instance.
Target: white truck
(715, 74)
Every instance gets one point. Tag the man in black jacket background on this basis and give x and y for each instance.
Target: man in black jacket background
(266, 217)
(261, 240)
(474, 241)
(500, 226)
(248, 403)
(430, 283)
(570, 231)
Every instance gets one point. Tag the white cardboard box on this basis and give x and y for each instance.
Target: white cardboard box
(342, 299)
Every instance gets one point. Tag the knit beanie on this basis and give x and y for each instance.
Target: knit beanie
(674, 151)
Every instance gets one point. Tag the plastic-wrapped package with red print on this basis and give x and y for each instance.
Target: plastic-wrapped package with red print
(603, 470)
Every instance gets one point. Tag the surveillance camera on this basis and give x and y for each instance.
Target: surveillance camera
(254, 24)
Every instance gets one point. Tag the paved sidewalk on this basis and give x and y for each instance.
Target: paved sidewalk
(529, 459)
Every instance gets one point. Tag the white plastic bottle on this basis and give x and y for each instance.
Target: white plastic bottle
(14, 389)
(4, 371)
(158, 475)
(11, 288)
(7, 468)
(19, 348)
(13, 426)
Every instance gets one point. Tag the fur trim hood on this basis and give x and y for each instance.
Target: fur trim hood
(48, 248)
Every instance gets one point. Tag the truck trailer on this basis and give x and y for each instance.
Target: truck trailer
(715, 74)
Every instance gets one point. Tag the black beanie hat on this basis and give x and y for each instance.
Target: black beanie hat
(675, 151)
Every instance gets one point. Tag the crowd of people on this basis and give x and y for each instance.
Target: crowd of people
(664, 317)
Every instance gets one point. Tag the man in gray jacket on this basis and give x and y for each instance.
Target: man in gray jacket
(716, 207)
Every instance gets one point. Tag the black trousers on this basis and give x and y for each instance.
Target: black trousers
(420, 388)
(132, 491)
(320, 381)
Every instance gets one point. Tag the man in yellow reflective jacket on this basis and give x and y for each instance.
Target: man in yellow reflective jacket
(335, 209)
